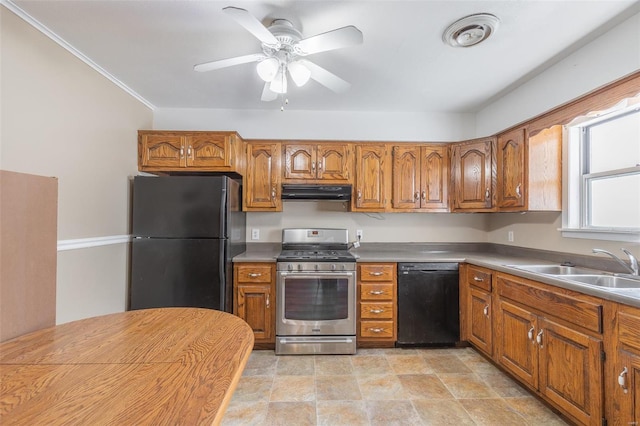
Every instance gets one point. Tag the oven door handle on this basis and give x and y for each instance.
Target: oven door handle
(298, 340)
(316, 274)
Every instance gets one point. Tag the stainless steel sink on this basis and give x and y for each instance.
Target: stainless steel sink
(609, 281)
(555, 269)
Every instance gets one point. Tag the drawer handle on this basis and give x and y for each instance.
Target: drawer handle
(255, 275)
(530, 333)
(375, 274)
(485, 311)
(376, 292)
(622, 381)
(539, 338)
(182, 152)
(376, 330)
(376, 311)
(478, 279)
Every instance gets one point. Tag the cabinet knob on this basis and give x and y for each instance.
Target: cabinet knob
(359, 195)
(313, 165)
(485, 311)
(424, 195)
(416, 196)
(182, 152)
(539, 337)
(375, 274)
(376, 311)
(320, 165)
(622, 380)
(268, 303)
(376, 330)
(376, 292)
(189, 151)
(478, 279)
(487, 194)
(530, 333)
(518, 190)
(273, 192)
(255, 275)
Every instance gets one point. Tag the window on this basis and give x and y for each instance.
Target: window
(603, 175)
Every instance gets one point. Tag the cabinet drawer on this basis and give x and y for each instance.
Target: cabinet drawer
(479, 277)
(377, 329)
(254, 274)
(376, 272)
(574, 309)
(376, 310)
(382, 291)
(628, 326)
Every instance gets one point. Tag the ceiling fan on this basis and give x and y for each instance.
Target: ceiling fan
(283, 52)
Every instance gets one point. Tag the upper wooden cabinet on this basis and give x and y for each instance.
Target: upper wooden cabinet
(318, 162)
(473, 175)
(262, 184)
(185, 151)
(373, 178)
(529, 170)
(420, 177)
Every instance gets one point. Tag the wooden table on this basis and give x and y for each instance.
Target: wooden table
(154, 366)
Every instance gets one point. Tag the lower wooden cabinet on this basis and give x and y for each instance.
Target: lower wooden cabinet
(476, 307)
(624, 377)
(377, 306)
(254, 300)
(551, 340)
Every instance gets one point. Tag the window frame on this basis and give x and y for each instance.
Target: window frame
(576, 217)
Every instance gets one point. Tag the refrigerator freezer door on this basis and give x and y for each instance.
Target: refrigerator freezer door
(179, 272)
(180, 206)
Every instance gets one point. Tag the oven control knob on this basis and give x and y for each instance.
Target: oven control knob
(315, 266)
(333, 266)
(299, 267)
(290, 267)
(343, 268)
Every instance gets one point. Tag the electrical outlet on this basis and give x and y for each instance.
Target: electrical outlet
(255, 234)
(359, 234)
(510, 236)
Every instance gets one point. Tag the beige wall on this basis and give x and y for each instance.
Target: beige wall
(61, 118)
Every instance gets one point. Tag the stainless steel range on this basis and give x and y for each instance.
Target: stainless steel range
(316, 293)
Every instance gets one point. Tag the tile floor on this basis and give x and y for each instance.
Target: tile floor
(382, 387)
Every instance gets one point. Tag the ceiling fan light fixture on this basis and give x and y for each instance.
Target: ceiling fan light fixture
(471, 30)
(268, 69)
(279, 83)
(299, 73)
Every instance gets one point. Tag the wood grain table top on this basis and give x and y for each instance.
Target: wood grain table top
(154, 366)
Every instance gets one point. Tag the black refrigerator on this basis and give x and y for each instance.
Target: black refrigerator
(186, 230)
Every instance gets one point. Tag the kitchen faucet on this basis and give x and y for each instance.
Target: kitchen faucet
(633, 262)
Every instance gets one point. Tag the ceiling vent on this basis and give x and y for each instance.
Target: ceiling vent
(471, 30)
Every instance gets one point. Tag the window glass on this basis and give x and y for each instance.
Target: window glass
(614, 144)
(614, 202)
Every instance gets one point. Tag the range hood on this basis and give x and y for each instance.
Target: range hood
(316, 192)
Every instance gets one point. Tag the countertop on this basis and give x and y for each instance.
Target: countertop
(153, 366)
(496, 257)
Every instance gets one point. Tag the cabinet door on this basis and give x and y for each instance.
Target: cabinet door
(479, 319)
(262, 179)
(372, 174)
(515, 343)
(434, 176)
(254, 306)
(511, 170)
(334, 162)
(406, 177)
(157, 150)
(208, 150)
(571, 371)
(473, 175)
(627, 389)
(300, 161)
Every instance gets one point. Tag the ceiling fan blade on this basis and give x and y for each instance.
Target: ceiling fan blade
(335, 39)
(223, 63)
(326, 78)
(251, 24)
(267, 94)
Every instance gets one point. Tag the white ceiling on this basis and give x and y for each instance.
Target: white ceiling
(403, 65)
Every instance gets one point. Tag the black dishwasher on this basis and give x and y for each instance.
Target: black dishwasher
(428, 304)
